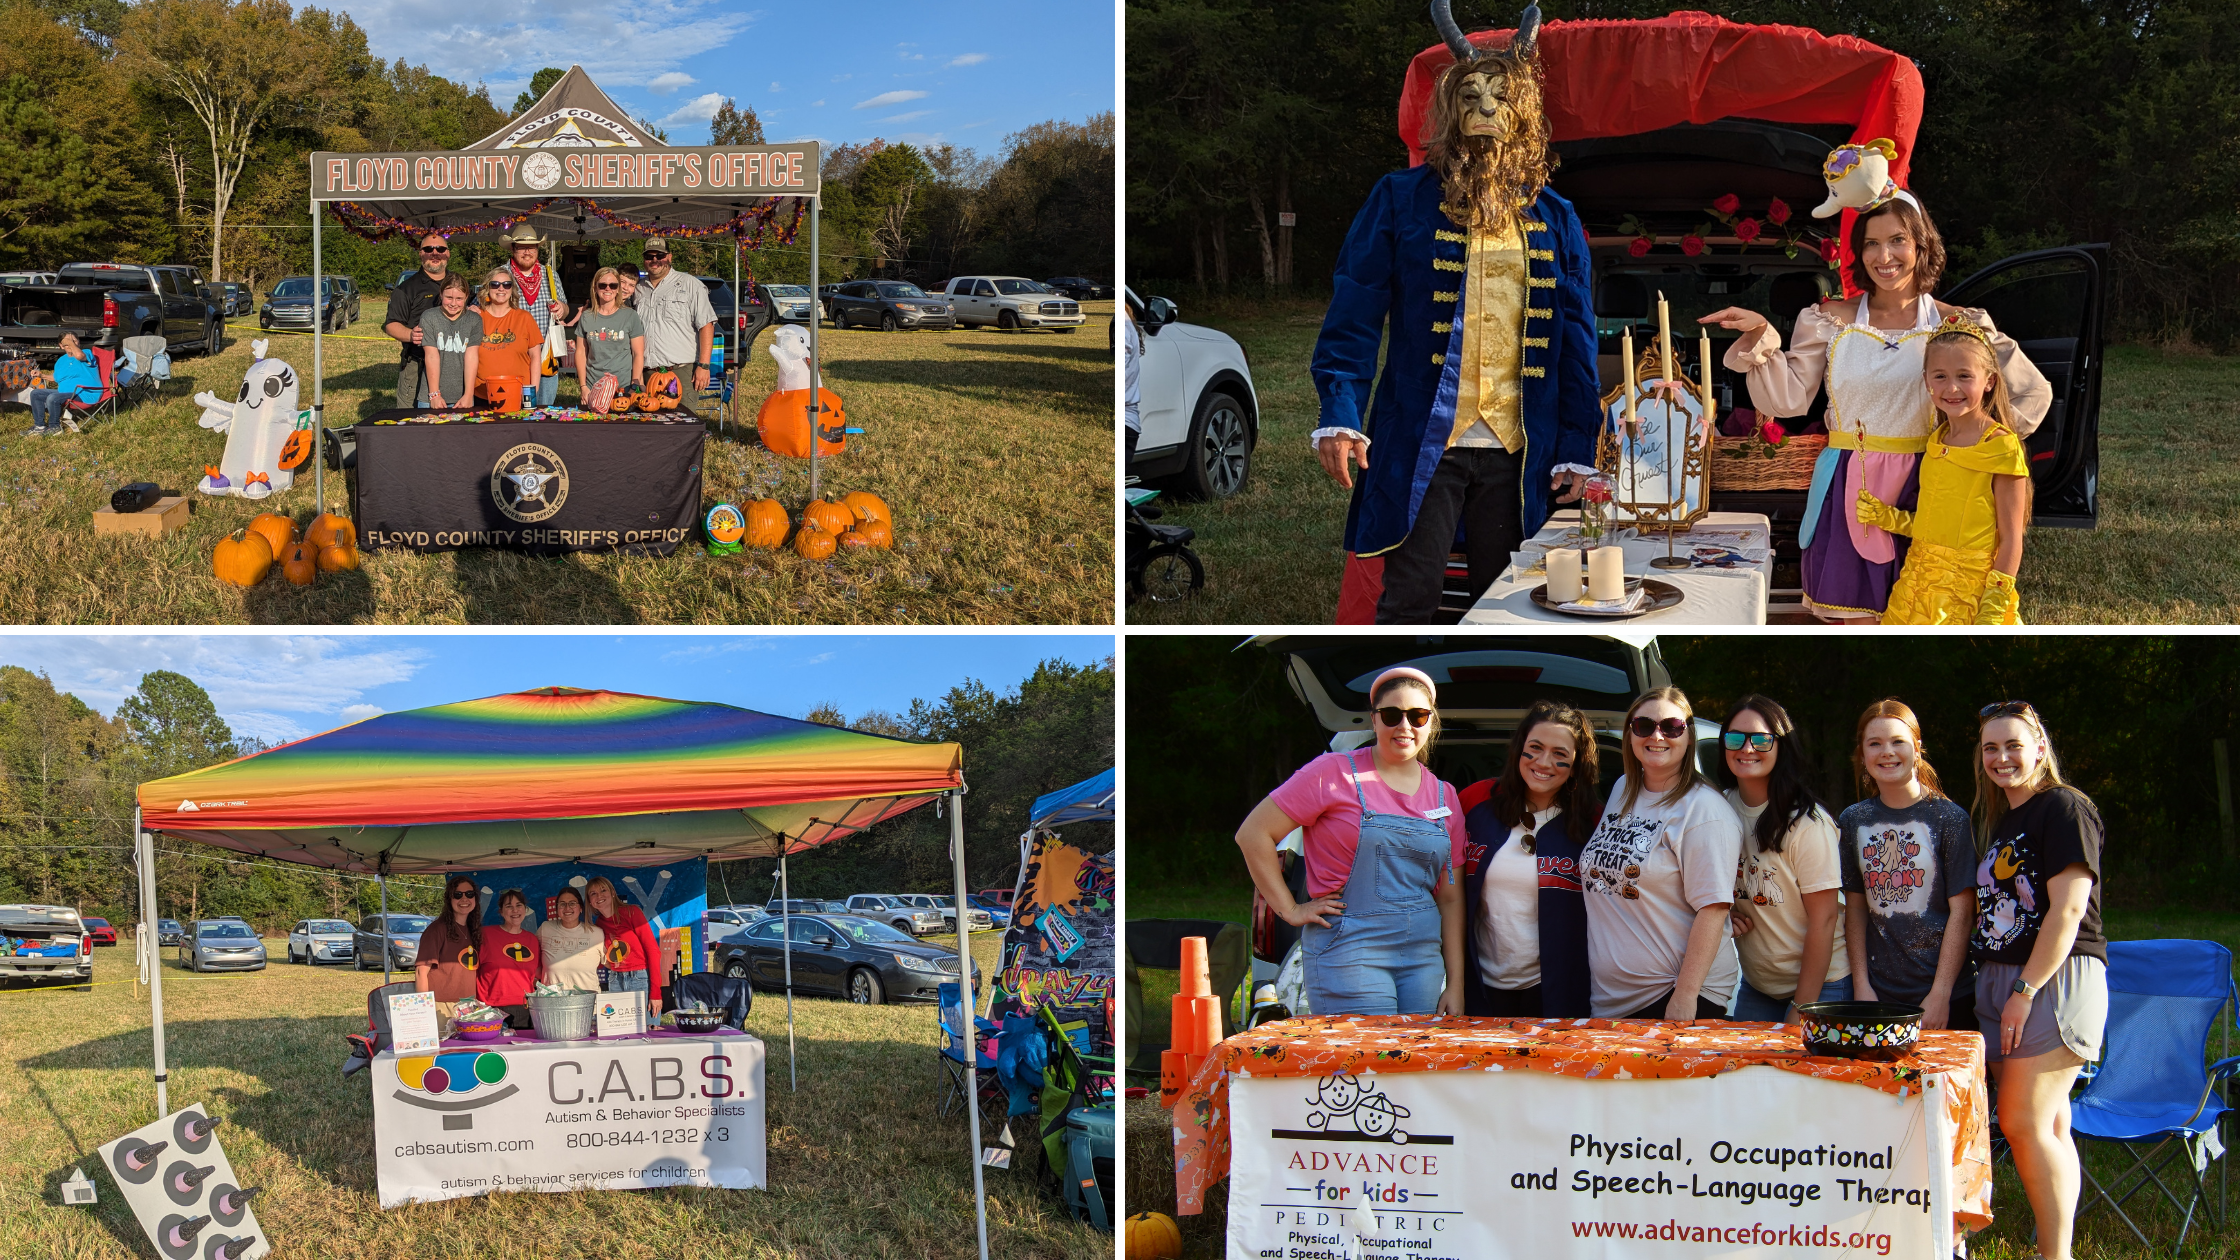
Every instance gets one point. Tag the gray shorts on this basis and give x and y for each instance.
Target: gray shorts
(2072, 1010)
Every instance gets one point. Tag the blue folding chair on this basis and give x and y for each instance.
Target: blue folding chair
(2154, 1093)
(955, 1018)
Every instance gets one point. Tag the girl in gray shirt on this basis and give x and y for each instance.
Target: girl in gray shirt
(449, 337)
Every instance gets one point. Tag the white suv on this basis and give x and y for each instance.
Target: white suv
(1201, 417)
(1011, 303)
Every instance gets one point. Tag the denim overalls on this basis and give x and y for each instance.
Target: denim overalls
(1383, 955)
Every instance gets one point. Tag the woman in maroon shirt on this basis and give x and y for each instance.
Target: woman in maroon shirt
(450, 950)
(632, 952)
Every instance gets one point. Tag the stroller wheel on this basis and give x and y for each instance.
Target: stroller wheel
(1170, 571)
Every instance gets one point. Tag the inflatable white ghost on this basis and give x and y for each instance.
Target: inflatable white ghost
(262, 449)
(790, 347)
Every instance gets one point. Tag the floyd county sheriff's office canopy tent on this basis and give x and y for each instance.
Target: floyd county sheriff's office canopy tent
(554, 775)
(573, 165)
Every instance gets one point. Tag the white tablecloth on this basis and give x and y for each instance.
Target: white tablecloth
(1712, 596)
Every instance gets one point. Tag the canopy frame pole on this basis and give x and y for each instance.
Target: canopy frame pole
(971, 1006)
(816, 320)
(144, 850)
(381, 877)
(785, 912)
(319, 368)
(731, 362)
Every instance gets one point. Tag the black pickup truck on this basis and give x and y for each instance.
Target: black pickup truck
(104, 303)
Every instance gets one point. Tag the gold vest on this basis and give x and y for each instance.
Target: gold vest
(1487, 386)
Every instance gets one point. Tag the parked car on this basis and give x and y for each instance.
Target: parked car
(170, 932)
(1200, 413)
(1011, 303)
(948, 909)
(104, 303)
(289, 304)
(799, 905)
(896, 913)
(724, 922)
(100, 931)
(790, 302)
(887, 305)
(314, 941)
(402, 936)
(240, 299)
(848, 955)
(222, 945)
(1000, 896)
(998, 915)
(27, 277)
(39, 942)
(1079, 288)
(720, 297)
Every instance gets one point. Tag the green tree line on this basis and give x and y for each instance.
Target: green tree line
(177, 131)
(2136, 722)
(2111, 121)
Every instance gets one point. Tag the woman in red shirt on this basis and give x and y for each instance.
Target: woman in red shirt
(632, 952)
(510, 961)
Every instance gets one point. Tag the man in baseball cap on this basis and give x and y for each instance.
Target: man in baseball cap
(680, 321)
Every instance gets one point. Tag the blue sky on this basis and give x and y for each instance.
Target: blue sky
(950, 73)
(279, 686)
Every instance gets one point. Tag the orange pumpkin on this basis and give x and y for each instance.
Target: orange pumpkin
(1152, 1236)
(866, 506)
(814, 543)
(664, 391)
(875, 534)
(242, 559)
(297, 448)
(300, 565)
(279, 532)
(829, 517)
(783, 423)
(338, 557)
(766, 524)
(328, 528)
(854, 541)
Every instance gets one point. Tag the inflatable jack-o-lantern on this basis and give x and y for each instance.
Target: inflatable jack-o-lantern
(783, 423)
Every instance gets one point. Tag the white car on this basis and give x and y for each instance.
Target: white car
(1011, 303)
(314, 941)
(1201, 417)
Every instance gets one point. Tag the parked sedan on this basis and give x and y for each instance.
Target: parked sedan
(170, 932)
(887, 305)
(402, 936)
(842, 955)
(314, 941)
(222, 945)
(1079, 288)
(100, 931)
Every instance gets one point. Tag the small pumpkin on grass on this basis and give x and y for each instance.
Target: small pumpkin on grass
(866, 506)
(338, 557)
(877, 535)
(300, 565)
(1152, 1236)
(242, 559)
(327, 528)
(829, 517)
(278, 531)
(814, 543)
(766, 523)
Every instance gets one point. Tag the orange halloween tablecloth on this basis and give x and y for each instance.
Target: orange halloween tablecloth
(1610, 1049)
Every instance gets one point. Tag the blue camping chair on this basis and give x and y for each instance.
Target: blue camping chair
(954, 1019)
(2153, 1093)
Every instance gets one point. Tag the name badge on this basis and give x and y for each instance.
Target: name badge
(1440, 812)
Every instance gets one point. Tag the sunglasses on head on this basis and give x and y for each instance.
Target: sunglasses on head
(1670, 728)
(1734, 740)
(1392, 715)
(2007, 708)
(435, 249)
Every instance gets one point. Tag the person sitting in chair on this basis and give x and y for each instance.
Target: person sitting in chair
(77, 378)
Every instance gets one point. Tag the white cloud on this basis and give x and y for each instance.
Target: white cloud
(816, 104)
(663, 84)
(775, 86)
(632, 47)
(915, 113)
(842, 78)
(275, 687)
(360, 712)
(889, 98)
(698, 111)
(717, 647)
(969, 59)
(820, 658)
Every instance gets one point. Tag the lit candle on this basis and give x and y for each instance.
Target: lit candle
(1664, 339)
(1626, 348)
(1606, 573)
(1564, 582)
(1705, 356)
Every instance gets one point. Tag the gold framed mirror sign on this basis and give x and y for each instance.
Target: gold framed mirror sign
(1655, 444)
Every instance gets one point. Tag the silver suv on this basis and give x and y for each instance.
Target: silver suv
(1011, 303)
(981, 922)
(315, 941)
(897, 913)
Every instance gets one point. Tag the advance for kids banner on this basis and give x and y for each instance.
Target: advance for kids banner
(1447, 1165)
(672, 895)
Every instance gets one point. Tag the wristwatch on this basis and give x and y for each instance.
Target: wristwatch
(2025, 988)
(702, 366)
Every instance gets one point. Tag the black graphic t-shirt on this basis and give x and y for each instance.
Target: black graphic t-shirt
(2047, 834)
(1905, 866)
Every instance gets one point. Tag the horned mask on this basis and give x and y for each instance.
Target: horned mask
(1486, 134)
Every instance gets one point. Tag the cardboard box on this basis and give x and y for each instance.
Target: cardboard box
(169, 513)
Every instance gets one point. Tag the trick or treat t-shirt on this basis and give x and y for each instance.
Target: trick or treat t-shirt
(1905, 866)
(2034, 842)
(1645, 874)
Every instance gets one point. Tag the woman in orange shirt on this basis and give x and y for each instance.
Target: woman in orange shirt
(511, 344)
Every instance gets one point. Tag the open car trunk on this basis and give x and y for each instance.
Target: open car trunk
(38, 941)
(42, 313)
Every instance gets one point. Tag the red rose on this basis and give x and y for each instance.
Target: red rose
(1727, 204)
(1640, 246)
(1778, 212)
(1772, 432)
(1597, 490)
(1828, 251)
(1746, 231)
(1691, 245)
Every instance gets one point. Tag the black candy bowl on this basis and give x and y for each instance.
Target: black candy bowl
(1860, 1030)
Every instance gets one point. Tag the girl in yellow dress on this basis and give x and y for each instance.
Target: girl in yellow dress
(1975, 494)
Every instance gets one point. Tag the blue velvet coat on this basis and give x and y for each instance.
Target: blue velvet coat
(1402, 264)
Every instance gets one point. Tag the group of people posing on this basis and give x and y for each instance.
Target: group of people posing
(605, 946)
(457, 337)
(1674, 898)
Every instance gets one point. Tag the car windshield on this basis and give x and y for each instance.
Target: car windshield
(168, 925)
(1015, 288)
(790, 292)
(227, 930)
(326, 925)
(901, 291)
(402, 923)
(298, 286)
(868, 931)
(95, 922)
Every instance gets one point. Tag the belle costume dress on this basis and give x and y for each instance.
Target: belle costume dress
(1879, 420)
(1955, 530)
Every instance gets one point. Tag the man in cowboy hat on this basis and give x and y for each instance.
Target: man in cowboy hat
(536, 290)
(1488, 403)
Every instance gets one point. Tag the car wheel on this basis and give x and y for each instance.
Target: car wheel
(357, 961)
(736, 969)
(1221, 449)
(1008, 321)
(865, 989)
(886, 322)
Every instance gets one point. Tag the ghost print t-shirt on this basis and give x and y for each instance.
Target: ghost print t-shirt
(2046, 835)
(1906, 865)
(451, 337)
(1646, 872)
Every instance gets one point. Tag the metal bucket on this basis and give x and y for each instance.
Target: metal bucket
(563, 1017)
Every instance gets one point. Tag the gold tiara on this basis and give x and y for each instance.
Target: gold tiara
(1959, 323)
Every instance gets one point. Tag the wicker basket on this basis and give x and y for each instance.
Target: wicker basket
(1739, 463)
(564, 1017)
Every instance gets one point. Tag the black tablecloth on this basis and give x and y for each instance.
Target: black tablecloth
(540, 487)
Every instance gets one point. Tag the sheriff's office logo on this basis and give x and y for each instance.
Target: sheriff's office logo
(529, 483)
(540, 171)
(467, 958)
(519, 952)
(618, 953)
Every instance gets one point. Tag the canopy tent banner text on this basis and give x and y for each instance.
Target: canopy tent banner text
(758, 171)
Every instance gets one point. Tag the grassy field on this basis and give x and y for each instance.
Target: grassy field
(2100, 1236)
(859, 1165)
(2169, 492)
(994, 450)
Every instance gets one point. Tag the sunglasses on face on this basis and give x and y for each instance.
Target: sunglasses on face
(1392, 715)
(610, 286)
(435, 249)
(1670, 728)
(498, 284)
(653, 257)
(464, 894)
(1758, 740)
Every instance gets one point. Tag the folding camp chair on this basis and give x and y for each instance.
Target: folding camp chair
(375, 1039)
(954, 1019)
(76, 409)
(146, 369)
(2164, 997)
(733, 996)
(1077, 1105)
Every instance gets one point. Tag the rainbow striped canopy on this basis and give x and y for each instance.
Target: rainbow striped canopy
(556, 774)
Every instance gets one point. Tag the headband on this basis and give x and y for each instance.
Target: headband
(1413, 675)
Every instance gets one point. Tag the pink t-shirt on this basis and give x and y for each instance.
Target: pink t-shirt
(1320, 799)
